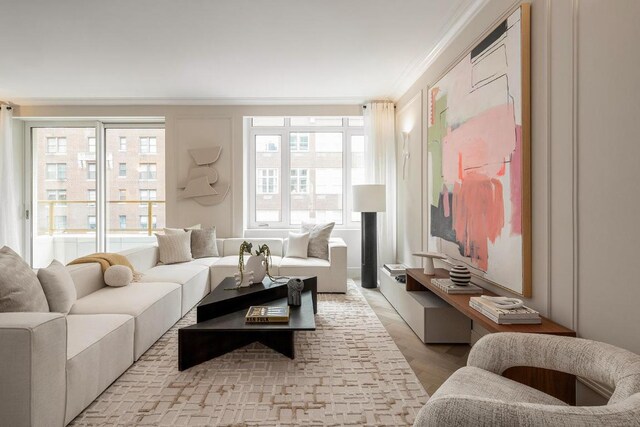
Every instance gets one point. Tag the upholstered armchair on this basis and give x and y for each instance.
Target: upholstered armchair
(477, 395)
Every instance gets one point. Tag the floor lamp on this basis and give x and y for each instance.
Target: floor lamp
(369, 200)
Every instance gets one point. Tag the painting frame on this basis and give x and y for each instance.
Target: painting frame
(520, 283)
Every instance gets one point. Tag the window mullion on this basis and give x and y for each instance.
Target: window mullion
(101, 193)
(286, 178)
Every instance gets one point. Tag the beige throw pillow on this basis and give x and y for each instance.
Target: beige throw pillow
(319, 235)
(20, 289)
(170, 231)
(58, 287)
(203, 243)
(174, 248)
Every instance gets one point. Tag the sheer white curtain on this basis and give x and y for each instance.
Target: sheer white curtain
(9, 184)
(380, 168)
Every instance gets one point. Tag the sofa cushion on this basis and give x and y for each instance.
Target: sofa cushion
(142, 258)
(192, 276)
(472, 381)
(99, 350)
(299, 262)
(155, 307)
(208, 261)
(58, 287)
(20, 289)
(87, 278)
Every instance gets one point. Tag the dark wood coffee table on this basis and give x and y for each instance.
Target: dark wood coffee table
(221, 326)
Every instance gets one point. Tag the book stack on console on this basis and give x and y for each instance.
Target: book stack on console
(395, 269)
(447, 286)
(266, 314)
(515, 316)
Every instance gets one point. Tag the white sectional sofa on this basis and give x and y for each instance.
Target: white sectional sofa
(53, 366)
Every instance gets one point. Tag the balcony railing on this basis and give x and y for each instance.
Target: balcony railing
(52, 204)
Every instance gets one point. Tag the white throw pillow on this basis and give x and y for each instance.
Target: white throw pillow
(118, 275)
(298, 245)
(58, 287)
(174, 248)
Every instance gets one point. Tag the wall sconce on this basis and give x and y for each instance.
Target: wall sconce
(405, 153)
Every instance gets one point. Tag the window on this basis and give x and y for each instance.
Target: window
(267, 143)
(144, 221)
(98, 195)
(148, 195)
(91, 221)
(148, 170)
(148, 145)
(56, 145)
(92, 144)
(310, 178)
(56, 194)
(299, 181)
(299, 142)
(91, 170)
(56, 171)
(267, 181)
(60, 222)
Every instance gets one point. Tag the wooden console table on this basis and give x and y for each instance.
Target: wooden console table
(555, 383)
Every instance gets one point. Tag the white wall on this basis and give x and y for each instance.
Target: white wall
(201, 126)
(585, 152)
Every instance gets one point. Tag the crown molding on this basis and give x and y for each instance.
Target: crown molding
(457, 23)
(186, 101)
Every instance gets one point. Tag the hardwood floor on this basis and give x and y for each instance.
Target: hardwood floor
(432, 363)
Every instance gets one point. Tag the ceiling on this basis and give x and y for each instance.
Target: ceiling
(219, 51)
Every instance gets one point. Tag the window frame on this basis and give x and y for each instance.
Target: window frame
(285, 176)
(31, 167)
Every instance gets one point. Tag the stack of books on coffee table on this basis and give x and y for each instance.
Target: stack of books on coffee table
(515, 316)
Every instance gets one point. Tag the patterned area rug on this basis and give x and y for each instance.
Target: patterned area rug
(347, 372)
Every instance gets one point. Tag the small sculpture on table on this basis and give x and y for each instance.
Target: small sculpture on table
(460, 275)
(256, 267)
(295, 287)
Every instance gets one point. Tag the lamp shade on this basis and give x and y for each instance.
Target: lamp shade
(369, 198)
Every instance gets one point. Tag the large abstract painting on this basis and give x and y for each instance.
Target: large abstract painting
(478, 140)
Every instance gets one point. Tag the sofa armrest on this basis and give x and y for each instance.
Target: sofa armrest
(33, 351)
(338, 265)
(337, 250)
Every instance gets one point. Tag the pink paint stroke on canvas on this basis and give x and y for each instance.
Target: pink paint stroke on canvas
(478, 215)
(481, 144)
(474, 159)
